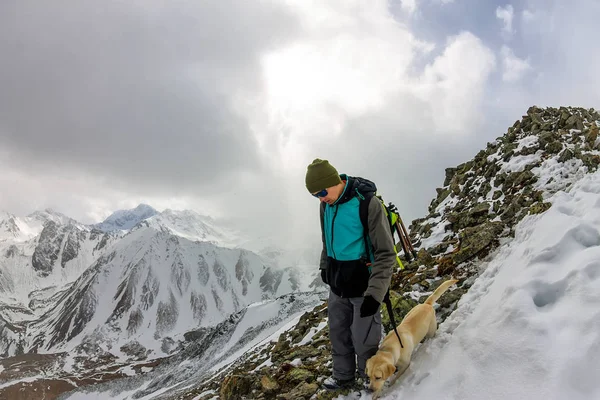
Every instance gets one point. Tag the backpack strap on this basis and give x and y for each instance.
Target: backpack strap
(363, 211)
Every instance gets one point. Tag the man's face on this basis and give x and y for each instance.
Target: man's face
(328, 195)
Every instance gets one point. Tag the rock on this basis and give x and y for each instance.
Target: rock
(591, 161)
(297, 375)
(303, 391)
(48, 248)
(11, 251)
(525, 178)
(573, 122)
(476, 239)
(446, 266)
(449, 175)
(591, 136)
(134, 350)
(454, 186)
(425, 258)
(473, 217)
(539, 207)
(451, 296)
(566, 155)
(235, 386)
(268, 384)
(554, 147)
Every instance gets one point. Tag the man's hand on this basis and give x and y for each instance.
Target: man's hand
(369, 306)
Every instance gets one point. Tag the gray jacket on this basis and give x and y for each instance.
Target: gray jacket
(383, 249)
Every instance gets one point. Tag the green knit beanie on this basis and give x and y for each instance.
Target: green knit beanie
(321, 175)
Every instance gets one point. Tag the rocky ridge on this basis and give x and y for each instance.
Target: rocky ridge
(476, 210)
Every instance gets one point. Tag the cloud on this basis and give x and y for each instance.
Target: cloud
(528, 16)
(409, 6)
(219, 107)
(506, 14)
(455, 82)
(144, 93)
(513, 67)
(566, 64)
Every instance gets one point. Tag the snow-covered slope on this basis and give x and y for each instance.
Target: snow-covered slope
(255, 327)
(529, 326)
(148, 286)
(35, 268)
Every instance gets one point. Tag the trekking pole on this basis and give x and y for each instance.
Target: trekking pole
(407, 246)
(403, 242)
(410, 246)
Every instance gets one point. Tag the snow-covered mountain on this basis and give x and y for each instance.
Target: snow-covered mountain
(64, 283)
(192, 226)
(126, 219)
(151, 285)
(16, 229)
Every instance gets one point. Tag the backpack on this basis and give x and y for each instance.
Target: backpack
(395, 224)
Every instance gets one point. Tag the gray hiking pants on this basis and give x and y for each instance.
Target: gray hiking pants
(353, 339)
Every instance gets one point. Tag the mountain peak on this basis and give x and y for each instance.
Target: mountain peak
(126, 219)
(193, 226)
(49, 214)
(8, 225)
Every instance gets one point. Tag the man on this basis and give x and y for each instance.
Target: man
(358, 269)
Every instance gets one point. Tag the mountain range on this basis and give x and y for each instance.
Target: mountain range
(139, 277)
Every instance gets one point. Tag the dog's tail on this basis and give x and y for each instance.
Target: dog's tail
(440, 291)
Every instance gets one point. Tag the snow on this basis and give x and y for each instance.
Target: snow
(28, 379)
(253, 317)
(296, 362)
(103, 395)
(267, 334)
(127, 370)
(266, 363)
(556, 176)
(204, 394)
(437, 235)
(518, 163)
(529, 327)
(313, 331)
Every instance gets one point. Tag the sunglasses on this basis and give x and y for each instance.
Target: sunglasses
(322, 193)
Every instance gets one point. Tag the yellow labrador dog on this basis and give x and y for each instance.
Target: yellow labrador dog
(419, 323)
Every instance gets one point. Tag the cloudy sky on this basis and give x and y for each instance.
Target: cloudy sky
(219, 106)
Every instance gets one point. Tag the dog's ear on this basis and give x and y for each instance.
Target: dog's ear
(390, 369)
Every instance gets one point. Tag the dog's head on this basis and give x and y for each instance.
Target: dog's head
(379, 369)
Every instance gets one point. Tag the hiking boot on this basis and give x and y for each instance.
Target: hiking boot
(332, 383)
